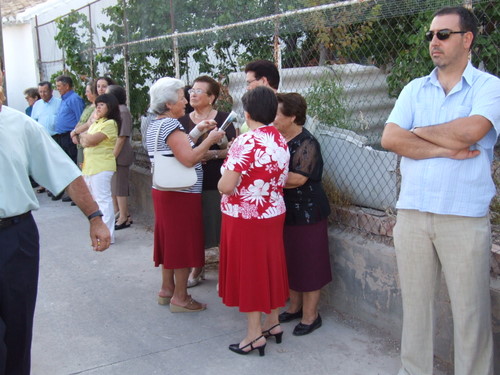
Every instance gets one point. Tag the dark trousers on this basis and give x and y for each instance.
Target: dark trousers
(64, 140)
(19, 259)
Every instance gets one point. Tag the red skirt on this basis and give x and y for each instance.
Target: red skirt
(252, 268)
(178, 237)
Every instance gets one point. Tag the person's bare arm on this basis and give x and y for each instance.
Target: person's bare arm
(228, 182)
(295, 180)
(179, 143)
(405, 143)
(83, 127)
(457, 134)
(120, 141)
(91, 140)
(99, 233)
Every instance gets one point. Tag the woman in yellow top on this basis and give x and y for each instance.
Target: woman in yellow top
(99, 163)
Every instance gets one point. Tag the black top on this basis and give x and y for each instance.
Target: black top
(306, 204)
(211, 169)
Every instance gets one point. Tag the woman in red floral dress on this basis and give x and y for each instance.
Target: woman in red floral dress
(252, 271)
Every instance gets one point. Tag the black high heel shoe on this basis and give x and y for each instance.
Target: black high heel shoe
(236, 347)
(267, 333)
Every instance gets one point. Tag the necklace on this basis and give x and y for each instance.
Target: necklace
(293, 133)
(201, 118)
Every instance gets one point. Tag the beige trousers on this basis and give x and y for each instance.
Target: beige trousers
(427, 244)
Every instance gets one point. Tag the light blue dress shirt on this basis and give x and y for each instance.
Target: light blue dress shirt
(26, 149)
(441, 185)
(46, 112)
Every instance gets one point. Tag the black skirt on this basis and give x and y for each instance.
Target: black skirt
(307, 256)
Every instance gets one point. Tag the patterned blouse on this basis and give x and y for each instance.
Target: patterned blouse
(261, 156)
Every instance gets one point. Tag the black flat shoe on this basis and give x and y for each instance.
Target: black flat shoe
(122, 225)
(267, 333)
(236, 347)
(285, 317)
(305, 329)
(57, 197)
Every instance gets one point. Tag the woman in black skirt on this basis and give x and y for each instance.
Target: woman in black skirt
(306, 225)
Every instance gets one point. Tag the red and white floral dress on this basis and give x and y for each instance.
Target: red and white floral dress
(252, 269)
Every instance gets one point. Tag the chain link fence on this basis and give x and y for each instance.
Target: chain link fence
(350, 59)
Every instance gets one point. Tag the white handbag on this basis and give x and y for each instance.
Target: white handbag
(169, 173)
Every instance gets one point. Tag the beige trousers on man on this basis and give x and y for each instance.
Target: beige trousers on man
(427, 244)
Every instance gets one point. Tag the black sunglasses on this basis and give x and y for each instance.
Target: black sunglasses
(441, 34)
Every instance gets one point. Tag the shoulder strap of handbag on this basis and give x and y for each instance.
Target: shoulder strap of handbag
(156, 139)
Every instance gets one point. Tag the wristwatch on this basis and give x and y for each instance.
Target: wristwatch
(94, 214)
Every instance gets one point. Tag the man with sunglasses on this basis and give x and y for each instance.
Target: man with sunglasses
(445, 126)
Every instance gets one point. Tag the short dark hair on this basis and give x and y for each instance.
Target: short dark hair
(113, 108)
(293, 104)
(265, 68)
(260, 104)
(213, 86)
(468, 21)
(119, 93)
(66, 80)
(46, 83)
(32, 92)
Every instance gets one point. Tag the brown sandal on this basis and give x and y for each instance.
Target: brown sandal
(191, 306)
(164, 300)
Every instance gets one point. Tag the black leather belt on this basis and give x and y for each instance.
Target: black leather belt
(60, 135)
(8, 221)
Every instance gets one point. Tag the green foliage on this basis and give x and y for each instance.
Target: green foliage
(413, 60)
(487, 45)
(363, 33)
(412, 54)
(74, 38)
(328, 102)
(78, 81)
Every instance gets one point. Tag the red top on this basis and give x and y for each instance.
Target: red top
(261, 156)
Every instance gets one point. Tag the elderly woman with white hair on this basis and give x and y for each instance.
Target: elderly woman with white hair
(178, 236)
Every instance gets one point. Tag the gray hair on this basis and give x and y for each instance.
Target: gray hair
(164, 91)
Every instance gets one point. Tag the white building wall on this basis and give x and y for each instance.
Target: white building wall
(20, 45)
(20, 63)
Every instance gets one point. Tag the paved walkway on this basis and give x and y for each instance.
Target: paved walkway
(97, 314)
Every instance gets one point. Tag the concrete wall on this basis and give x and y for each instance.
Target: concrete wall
(20, 63)
(367, 176)
(366, 284)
